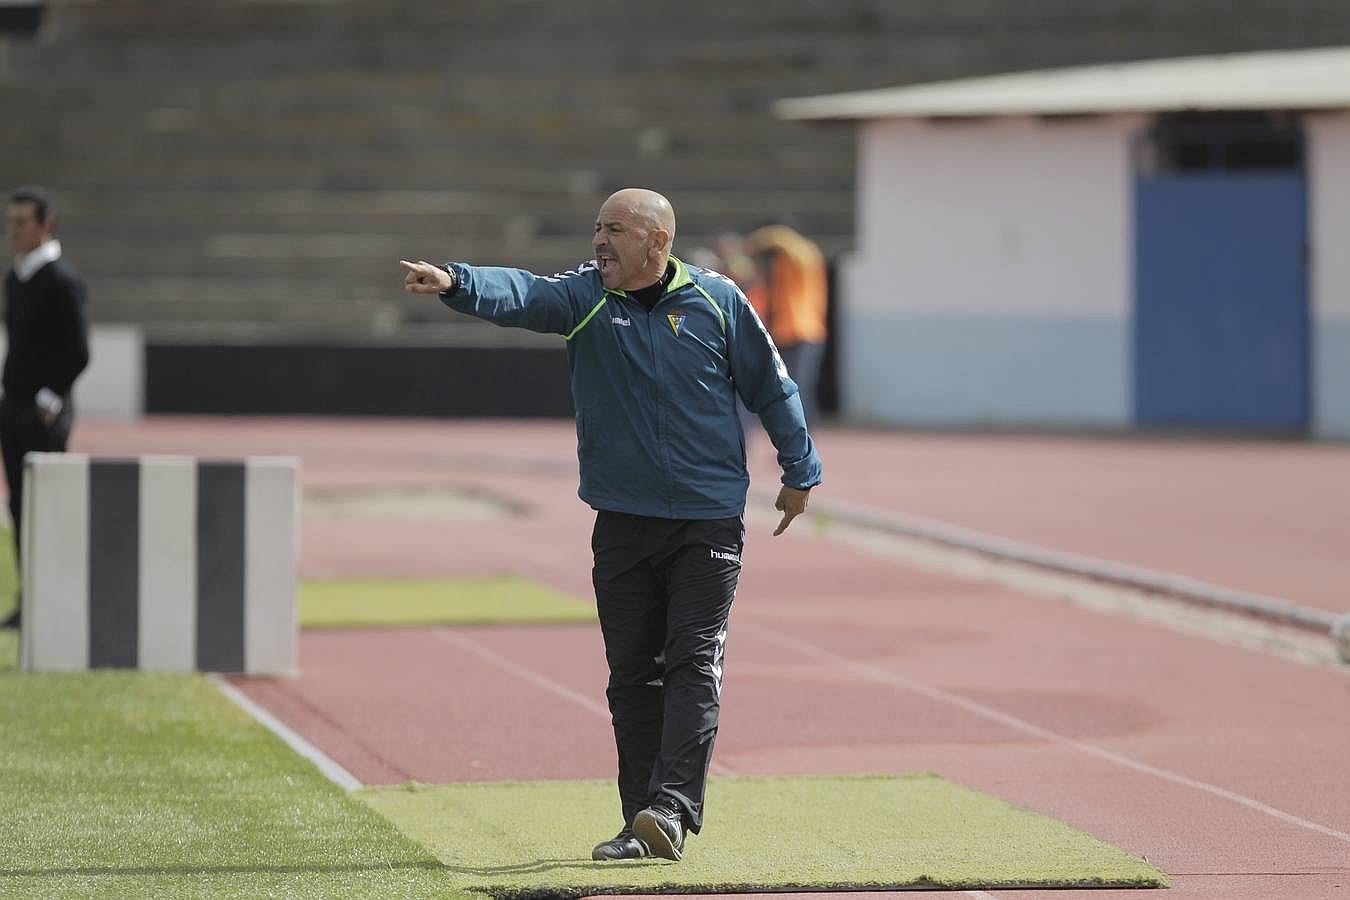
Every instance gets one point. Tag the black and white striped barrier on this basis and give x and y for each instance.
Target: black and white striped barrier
(160, 562)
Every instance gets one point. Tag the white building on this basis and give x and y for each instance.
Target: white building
(1154, 244)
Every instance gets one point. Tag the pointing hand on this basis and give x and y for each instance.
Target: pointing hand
(791, 503)
(424, 278)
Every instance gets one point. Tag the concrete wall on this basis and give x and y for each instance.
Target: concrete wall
(993, 281)
(1329, 281)
(389, 379)
(113, 387)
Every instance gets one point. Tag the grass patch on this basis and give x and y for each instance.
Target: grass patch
(9, 651)
(501, 600)
(126, 784)
(386, 602)
(9, 588)
(9, 574)
(764, 834)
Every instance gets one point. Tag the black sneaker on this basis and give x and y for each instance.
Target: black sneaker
(624, 845)
(13, 621)
(661, 827)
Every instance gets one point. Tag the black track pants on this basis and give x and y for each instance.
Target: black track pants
(664, 589)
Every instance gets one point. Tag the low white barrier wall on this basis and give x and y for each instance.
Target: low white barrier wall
(160, 562)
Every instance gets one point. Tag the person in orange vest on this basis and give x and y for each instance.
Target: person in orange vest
(790, 298)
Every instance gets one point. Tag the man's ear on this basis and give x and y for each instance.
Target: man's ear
(660, 241)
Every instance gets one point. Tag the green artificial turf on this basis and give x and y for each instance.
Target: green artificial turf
(531, 839)
(501, 600)
(395, 602)
(9, 574)
(9, 587)
(127, 784)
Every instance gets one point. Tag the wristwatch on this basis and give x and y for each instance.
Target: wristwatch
(454, 276)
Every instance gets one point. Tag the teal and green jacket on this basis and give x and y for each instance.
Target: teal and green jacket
(655, 392)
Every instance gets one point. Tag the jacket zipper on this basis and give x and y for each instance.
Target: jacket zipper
(663, 446)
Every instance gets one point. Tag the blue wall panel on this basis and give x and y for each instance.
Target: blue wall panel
(1221, 316)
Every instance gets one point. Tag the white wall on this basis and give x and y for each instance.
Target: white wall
(993, 282)
(113, 386)
(1329, 278)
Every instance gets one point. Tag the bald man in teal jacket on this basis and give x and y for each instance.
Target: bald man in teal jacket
(658, 352)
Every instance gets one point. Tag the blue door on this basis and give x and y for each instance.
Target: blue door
(1221, 299)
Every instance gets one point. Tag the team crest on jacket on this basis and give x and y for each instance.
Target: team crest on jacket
(676, 320)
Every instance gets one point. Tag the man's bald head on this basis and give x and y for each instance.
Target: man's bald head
(633, 236)
(654, 209)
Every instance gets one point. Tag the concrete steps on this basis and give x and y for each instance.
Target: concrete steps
(220, 163)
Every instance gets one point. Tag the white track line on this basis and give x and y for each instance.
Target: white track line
(539, 680)
(982, 894)
(878, 674)
(334, 772)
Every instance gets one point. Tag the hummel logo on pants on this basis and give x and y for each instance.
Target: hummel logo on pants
(664, 589)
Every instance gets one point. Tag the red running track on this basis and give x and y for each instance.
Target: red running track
(1225, 767)
(1265, 517)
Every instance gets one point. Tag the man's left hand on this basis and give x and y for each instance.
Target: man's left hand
(791, 503)
(48, 405)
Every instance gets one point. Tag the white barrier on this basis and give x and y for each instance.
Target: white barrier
(160, 562)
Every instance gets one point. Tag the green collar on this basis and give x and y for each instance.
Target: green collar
(679, 280)
(681, 276)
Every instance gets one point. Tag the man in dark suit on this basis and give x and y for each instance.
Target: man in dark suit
(48, 345)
